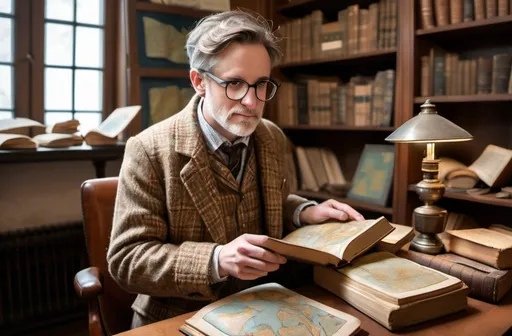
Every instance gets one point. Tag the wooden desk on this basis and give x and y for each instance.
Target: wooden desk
(479, 318)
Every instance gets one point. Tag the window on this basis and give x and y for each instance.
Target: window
(73, 61)
(6, 59)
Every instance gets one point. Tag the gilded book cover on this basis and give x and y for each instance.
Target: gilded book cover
(270, 309)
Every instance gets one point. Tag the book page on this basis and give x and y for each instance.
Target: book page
(117, 121)
(485, 237)
(16, 141)
(491, 163)
(331, 238)
(271, 309)
(396, 279)
(8, 125)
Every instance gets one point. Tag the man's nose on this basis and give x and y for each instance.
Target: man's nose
(250, 99)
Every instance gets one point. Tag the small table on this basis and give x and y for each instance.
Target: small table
(99, 155)
(480, 318)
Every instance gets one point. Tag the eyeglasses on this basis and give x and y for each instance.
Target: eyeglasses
(237, 89)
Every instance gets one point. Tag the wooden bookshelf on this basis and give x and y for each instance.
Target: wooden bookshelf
(298, 8)
(488, 26)
(466, 98)
(489, 199)
(322, 196)
(171, 9)
(337, 128)
(355, 59)
(163, 73)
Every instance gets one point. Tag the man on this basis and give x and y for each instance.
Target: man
(201, 191)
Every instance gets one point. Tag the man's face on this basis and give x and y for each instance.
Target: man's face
(249, 62)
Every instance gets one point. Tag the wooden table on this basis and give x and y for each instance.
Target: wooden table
(480, 318)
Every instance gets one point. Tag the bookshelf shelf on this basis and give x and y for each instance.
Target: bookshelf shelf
(465, 98)
(361, 58)
(491, 25)
(322, 196)
(337, 128)
(170, 9)
(299, 8)
(163, 73)
(489, 199)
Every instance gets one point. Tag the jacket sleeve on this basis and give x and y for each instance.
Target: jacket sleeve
(140, 257)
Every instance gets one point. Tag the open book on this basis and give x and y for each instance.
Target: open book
(494, 166)
(108, 131)
(394, 291)
(18, 125)
(16, 141)
(334, 244)
(398, 238)
(270, 309)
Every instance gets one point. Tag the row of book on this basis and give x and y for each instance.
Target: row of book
(445, 73)
(363, 101)
(357, 30)
(13, 132)
(439, 13)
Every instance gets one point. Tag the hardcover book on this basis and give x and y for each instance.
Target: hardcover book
(270, 309)
(334, 243)
(395, 292)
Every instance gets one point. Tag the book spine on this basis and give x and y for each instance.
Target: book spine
(491, 8)
(481, 285)
(479, 9)
(468, 10)
(427, 17)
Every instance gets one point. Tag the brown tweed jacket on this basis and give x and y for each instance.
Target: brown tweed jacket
(168, 220)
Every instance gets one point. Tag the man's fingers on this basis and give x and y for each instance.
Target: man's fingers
(259, 264)
(249, 271)
(261, 254)
(351, 213)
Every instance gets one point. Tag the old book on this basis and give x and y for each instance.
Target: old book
(501, 66)
(18, 125)
(393, 242)
(442, 8)
(468, 10)
(485, 283)
(503, 7)
(494, 166)
(479, 9)
(456, 175)
(164, 41)
(270, 309)
(108, 131)
(487, 246)
(16, 141)
(426, 78)
(394, 291)
(456, 9)
(484, 76)
(427, 17)
(456, 221)
(491, 8)
(65, 127)
(55, 140)
(307, 177)
(333, 243)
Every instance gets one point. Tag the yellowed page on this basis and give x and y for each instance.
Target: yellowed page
(16, 124)
(272, 309)
(117, 121)
(491, 163)
(485, 237)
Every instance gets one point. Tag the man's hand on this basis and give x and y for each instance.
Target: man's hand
(243, 258)
(329, 210)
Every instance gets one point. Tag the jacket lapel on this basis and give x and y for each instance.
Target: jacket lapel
(197, 175)
(271, 180)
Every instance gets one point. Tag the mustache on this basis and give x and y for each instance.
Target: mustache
(244, 111)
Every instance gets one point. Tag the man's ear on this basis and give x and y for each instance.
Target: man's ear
(197, 82)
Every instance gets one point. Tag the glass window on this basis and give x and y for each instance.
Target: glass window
(74, 36)
(6, 59)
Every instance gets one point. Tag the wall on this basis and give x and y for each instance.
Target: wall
(39, 194)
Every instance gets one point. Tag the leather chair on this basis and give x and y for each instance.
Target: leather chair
(109, 305)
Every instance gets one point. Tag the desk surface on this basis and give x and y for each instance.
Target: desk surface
(480, 318)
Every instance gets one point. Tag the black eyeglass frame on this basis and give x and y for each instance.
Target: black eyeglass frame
(225, 85)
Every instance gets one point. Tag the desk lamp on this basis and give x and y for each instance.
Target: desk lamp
(430, 128)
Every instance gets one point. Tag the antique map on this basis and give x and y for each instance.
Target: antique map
(329, 237)
(272, 312)
(386, 272)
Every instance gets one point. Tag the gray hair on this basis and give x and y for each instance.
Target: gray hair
(215, 32)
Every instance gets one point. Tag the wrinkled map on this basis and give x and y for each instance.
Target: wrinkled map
(271, 312)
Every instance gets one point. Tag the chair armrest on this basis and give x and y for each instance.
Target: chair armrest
(89, 282)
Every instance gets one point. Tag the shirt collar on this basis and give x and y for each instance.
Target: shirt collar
(213, 138)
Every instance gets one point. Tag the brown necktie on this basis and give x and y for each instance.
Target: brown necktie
(234, 154)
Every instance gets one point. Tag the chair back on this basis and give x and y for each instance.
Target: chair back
(98, 199)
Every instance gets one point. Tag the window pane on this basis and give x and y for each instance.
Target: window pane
(59, 44)
(60, 9)
(90, 11)
(89, 47)
(5, 115)
(51, 118)
(88, 89)
(6, 87)
(5, 39)
(6, 6)
(57, 89)
(88, 121)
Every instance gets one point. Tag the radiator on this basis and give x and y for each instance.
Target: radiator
(37, 268)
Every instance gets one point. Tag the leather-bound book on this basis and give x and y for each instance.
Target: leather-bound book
(427, 15)
(442, 8)
(501, 64)
(491, 8)
(456, 7)
(468, 10)
(479, 10)
(503, 7)
(485, 283)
